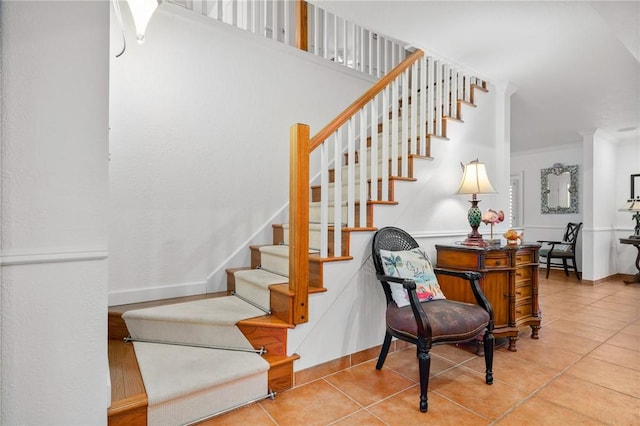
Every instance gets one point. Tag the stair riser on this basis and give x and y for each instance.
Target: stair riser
(186, 332)
(419, 150)
(314, 238)
(253, 291)
(345, 170)
(207, 402)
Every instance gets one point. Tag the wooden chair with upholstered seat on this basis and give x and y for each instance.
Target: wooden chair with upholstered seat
(432, 322)
(557, 253)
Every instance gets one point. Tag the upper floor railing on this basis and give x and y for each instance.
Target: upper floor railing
(308, 27)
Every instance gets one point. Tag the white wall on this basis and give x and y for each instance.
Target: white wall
(605, 193)
(627, 163)
(539, 226)
(199, 145)
(54, 139)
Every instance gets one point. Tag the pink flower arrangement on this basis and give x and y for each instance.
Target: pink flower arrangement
(491, 217)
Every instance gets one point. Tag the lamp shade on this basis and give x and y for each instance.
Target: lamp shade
(475, 180)
(632, 206)
(142, 10)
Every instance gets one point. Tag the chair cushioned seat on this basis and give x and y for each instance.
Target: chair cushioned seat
(562, 253)
(450, 320)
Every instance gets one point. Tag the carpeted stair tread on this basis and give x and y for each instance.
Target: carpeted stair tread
(203, 322)
(253, 285)
(185, 383)
(221, 310)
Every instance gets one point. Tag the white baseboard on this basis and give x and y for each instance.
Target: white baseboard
(157, 293)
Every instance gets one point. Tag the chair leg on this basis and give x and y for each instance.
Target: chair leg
(489, 343)
(548, 265)
(424, 365)
(384, 351)
(564, 265)
(575, 268)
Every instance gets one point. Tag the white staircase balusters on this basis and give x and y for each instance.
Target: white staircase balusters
(337, 201)
(425, 94)
(362, 178)
(415, 127)
(404, 134)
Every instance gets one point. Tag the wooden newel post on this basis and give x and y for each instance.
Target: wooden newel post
(299, 221)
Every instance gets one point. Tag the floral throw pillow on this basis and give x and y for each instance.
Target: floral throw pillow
(413, 264)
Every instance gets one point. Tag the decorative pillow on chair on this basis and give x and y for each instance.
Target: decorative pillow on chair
(412, 264)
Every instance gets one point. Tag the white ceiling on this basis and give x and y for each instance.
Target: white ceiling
(575, 65)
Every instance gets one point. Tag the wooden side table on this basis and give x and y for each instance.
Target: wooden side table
(509, 281)
(636, 243)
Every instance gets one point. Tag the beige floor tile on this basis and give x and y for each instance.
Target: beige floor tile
(316, 403)
(537, 411)
(627, 341)
(617, 355)
(360, 418)
(468, 388)
(455, 353)
(406, 363)
(611, 313)
(579, 329)
(521, 374)
(567, 341)
(366, 385)
(253, 414)
(628, 308)
(592, 400)
(633, 328)
(584, 317)
(541, 352)
(612, 376)
(403, 409)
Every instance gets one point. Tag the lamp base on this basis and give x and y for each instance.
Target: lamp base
(475, 240)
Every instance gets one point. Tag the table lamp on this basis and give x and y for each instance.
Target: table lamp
(474, 182)
(633, 206)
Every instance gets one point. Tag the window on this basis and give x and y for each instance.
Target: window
(516, 204)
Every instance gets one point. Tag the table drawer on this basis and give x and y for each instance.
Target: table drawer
(523, 293)
(524, 310)
(496, 262)
(524, 256)
(523, 274)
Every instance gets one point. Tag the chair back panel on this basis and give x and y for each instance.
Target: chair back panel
(571, 234)
(392, 239)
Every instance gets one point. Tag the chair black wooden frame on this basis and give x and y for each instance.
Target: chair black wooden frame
(554, 257)
(435, 322)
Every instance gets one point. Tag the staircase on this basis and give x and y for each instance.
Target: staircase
(207, 355)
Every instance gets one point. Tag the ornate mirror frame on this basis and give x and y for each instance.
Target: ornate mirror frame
(558, 169)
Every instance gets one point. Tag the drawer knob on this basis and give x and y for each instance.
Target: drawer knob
(518, 274)
(519, 293)
(518, 311)
(498, 263)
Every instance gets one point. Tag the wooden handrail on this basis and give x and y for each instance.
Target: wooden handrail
(345, 115)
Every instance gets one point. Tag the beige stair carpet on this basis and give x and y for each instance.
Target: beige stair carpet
(186, 383)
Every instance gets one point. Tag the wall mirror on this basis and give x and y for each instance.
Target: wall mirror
(559, 189)
(635, 186)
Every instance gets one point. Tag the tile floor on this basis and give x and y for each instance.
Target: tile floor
(584, 369)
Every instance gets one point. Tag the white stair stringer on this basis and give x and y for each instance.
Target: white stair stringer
(253, 285)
